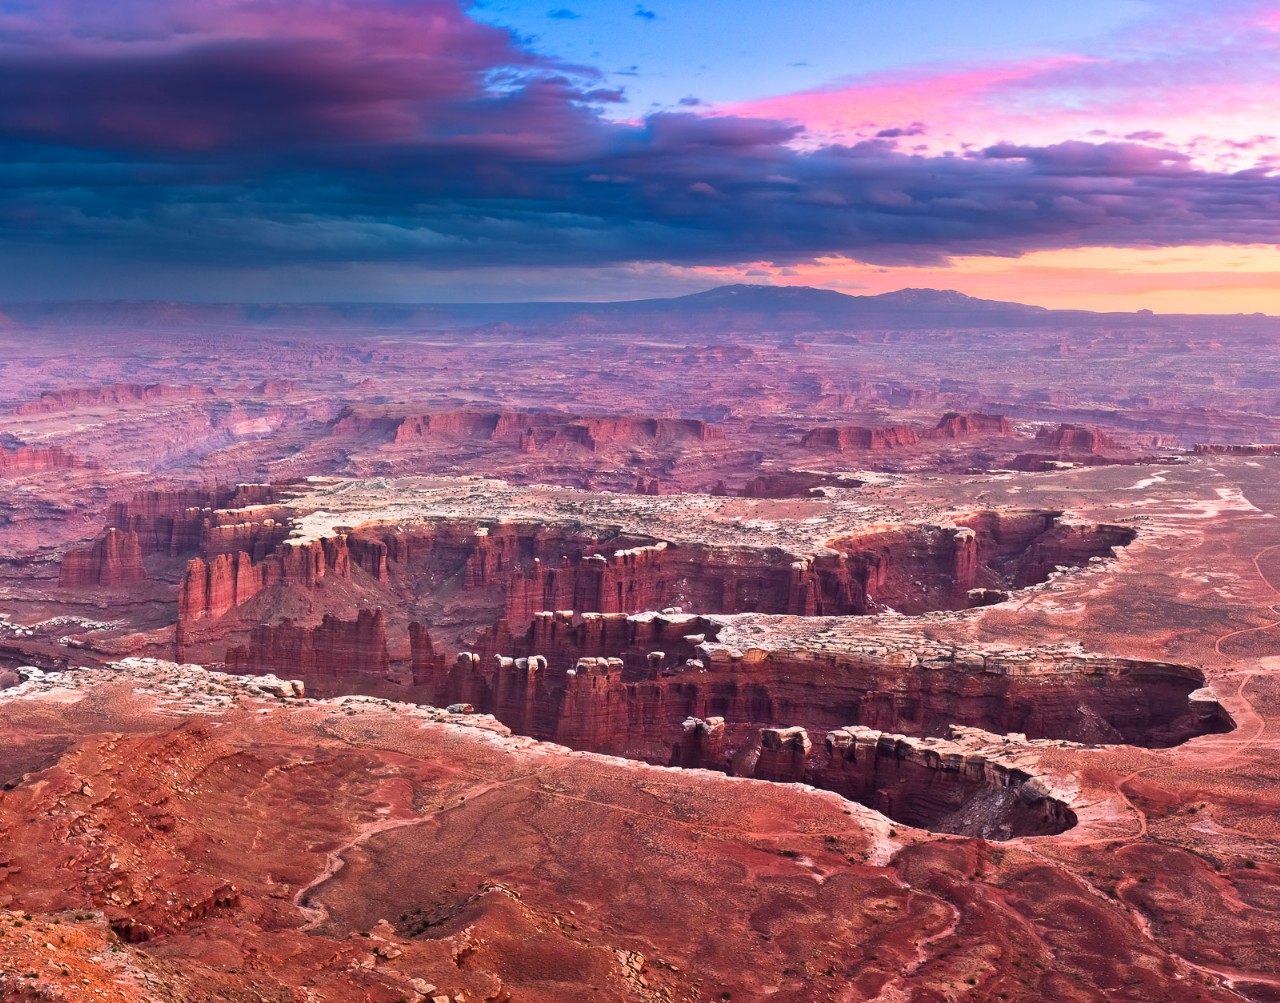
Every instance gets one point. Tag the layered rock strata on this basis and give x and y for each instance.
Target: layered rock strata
(111, 395)
(635, 705)
(536, 567)
(952, 425)
(530, 431)
(115, 558)
(334, 649)
(971, 783)
(962, 425)
(1248, 449)
(1075, 439)
(36, 459)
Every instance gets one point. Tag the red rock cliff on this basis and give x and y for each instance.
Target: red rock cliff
(955, 425)
(639, 707)
(1074, 439)
(115, 558)
(36, 459)
(110, 395)
(846, 437)
(354, 648)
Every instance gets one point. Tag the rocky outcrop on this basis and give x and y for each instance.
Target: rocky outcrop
(467, 424)
(112, 395)
(957, 425)
(1074, 439)
(971, 783)
(783, 755)
(595, 432)
(701, 744)
(188, 520)
(359, 422)
(1037, 463)
(638, 705)
(336, 648)
(529, 431)
(672, 637)
(1249, 449)
(212, 588)
(114, 558)
(952, 425)
(847, 437)
(35, 460)
(1069, 445)
(278, 387)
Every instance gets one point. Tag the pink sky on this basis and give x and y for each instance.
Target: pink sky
(1206, 85)
(151, 147)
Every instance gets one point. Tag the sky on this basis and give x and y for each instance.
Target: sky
(1107, 154)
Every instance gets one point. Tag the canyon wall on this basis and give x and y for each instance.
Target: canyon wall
(115, 558)
(517, 570)
(1075, 439)
(529, 431)
(111, 395)
(952, 425)
(636, 706)
(1250, 449)
(187, 520)
(211, 588)
(958, 425)
(964, 784)
(846, 437)
(353, 649)
(172, 523)
(36, 459)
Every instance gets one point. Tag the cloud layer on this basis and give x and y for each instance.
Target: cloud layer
(287, 132)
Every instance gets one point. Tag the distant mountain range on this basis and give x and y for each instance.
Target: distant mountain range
(724, 310)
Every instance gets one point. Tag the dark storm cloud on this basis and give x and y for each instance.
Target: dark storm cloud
(286, 133)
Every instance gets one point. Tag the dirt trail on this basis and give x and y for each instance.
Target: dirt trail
(316, 913)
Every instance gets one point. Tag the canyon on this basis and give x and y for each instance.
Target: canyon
(921, 659)
(564, 641)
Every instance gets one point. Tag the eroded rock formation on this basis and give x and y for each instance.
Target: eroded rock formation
(111, 395)
(952, 425)
(530, 431)
(636, 703)
(971, 783)
(1249, 449)
(1075, 439)
(216, 521)
(847, 437)
(334, 649)
(791, 484)
(115, 558)
(957, 425)
(36, 459)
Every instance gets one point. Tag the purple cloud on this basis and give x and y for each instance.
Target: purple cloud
(406, 131)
